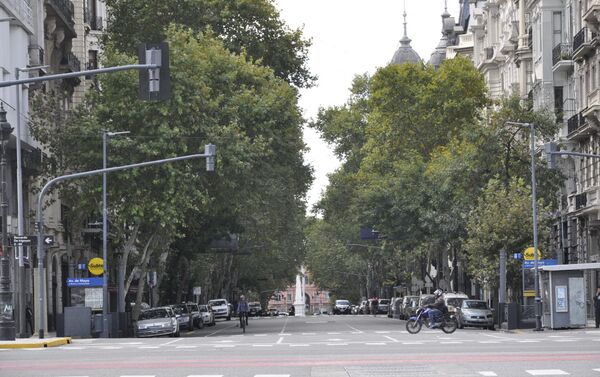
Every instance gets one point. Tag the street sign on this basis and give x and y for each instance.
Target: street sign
(96, 266)
(84, 282)
(517, 255)
(529, 254)
(541, 262)
(28, 240)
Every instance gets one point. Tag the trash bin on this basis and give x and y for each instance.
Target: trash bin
(96, 325)
(511, 315)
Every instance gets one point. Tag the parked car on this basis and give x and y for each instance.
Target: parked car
(341, 307)
(254, 309)
(409, 306)
(453, 300)
(426, 299)
(184, 317)
(221, 308)
(157, 322)
(195, 314)
(394, 307)
(207, 315)
(474, 313)
(383, 306)
(354, 309)
(364, 307)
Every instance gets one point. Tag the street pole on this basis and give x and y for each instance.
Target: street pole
(7, 323)
(209, 154)
(538, 300)
(20, 296)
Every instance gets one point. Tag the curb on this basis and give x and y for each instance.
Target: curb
(41, 344)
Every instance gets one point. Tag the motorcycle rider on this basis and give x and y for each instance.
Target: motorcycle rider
(437, 309)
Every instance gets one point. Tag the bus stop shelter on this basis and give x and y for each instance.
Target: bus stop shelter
(566, 294)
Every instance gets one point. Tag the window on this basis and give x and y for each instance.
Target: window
(556, 28)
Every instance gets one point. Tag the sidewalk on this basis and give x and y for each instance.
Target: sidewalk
(35, 342)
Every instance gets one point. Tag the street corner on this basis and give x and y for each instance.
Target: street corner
(35, 343)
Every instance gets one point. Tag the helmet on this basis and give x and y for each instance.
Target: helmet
(242, 297)
(438, 292)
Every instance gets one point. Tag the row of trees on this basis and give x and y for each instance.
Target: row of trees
(235, 70)
(429, 162)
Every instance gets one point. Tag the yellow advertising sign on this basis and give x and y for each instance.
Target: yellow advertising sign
(96, 266)
(529, 254)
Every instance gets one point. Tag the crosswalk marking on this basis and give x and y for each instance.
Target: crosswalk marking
(547, 372)
(376, 344)
(148, 347)
(271, 375)
(186, 347)
(205, 375)
(528, 341)
(299, 345)
(487, 373)
(597, 370)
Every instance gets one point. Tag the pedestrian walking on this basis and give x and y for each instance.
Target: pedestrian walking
(374, 306)
(29, 320)
(597, 306)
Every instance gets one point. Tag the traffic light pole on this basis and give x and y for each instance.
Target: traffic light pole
(209, 154)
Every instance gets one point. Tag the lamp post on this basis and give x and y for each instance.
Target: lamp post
(7, 322)
(105, 333)
(538, 300)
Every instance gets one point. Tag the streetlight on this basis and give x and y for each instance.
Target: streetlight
(105, 136)
(538, 300)
(7, 322)
(20, 212)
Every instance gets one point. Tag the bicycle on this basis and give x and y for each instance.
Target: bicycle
(243, 320)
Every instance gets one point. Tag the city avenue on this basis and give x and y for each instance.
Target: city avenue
(318, 346)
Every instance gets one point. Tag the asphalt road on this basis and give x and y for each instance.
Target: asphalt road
(320, 346)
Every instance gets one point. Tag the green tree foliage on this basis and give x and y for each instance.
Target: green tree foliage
(177, 209)
(252, 27)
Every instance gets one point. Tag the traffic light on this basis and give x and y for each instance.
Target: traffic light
(551, 150)
(210, 150)
(155, 83)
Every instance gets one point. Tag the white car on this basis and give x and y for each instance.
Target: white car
(208, 316)
(157, 322)
(221, 308)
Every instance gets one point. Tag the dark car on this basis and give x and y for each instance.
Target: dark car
(184, 317)
(382, 307)
(342, 307)
(195, 314)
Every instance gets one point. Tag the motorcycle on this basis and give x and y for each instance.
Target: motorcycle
(448, 323)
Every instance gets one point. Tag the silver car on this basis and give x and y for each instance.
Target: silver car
(184, 317)
(475, 313)
(207, 315)
(157, 322)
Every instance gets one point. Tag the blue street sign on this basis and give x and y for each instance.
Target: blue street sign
(82, 266)
(518, 256)
(84, 282)
(541, 262)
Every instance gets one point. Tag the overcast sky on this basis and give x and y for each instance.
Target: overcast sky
(352, 37)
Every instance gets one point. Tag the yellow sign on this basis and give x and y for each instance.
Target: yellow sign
(529, 254)
(96, 266)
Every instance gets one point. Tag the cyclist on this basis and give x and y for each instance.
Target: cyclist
(242, 309)
(437, 309)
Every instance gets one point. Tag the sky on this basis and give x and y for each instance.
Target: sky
(351, 37)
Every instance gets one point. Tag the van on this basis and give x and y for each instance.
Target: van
(453, 300)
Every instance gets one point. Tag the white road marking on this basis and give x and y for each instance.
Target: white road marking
(529, 341)
(453, 342)
(488, 342)
(299, 345)
(271, 375)
(280, 340)
(205, 375)
(262, 345)
(285, 334)
(72, 348)
(333, 333)
(186, 347)
(137, 375)
(375, 344)
(223, 346)
(171, 342)
(110, 348)
(260, 334)
(597, 370)
(487, 373)
(337, 344)
(382, 332)
(564, 340)
(392, 339)
(547, 372)
(409, 343)
(148, 347)
(309, 333)
(284, 326)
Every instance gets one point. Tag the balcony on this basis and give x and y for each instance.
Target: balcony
(580, 127)
(70, 62)
(22, 10)
(580, 201)
(592, 15)
(561, 57)
(64, 10)
(94, 22)
(583, 44)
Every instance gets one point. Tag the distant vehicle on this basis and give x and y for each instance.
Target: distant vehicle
(207, 315)
(221, 308)
(474, 313)
(383, 306)
(394, 307)
(254, 309)
(195, 314)
(341, 307)
(364, 307)
(184, 317)
(453, 300)
(157, 322)
(409, 306)
(426, 299)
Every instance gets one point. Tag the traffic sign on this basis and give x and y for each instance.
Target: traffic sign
(529, 254)
(28, 240)
(96, 266)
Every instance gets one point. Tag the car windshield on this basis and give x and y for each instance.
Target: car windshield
(427, 300)
(342, 302)
(384, 302)
(203, 308)
(180, 309)
(475, 304)
(153, 314)
(217, 302)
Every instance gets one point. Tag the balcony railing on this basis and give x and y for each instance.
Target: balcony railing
(580, 201)
(579, 39)
(575, 122)
(72, 62)
(65, 7)
(561, 51)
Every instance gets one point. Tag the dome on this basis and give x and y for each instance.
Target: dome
(405, 53)
(439, 55)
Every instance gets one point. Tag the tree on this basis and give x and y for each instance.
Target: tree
(250, 27)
